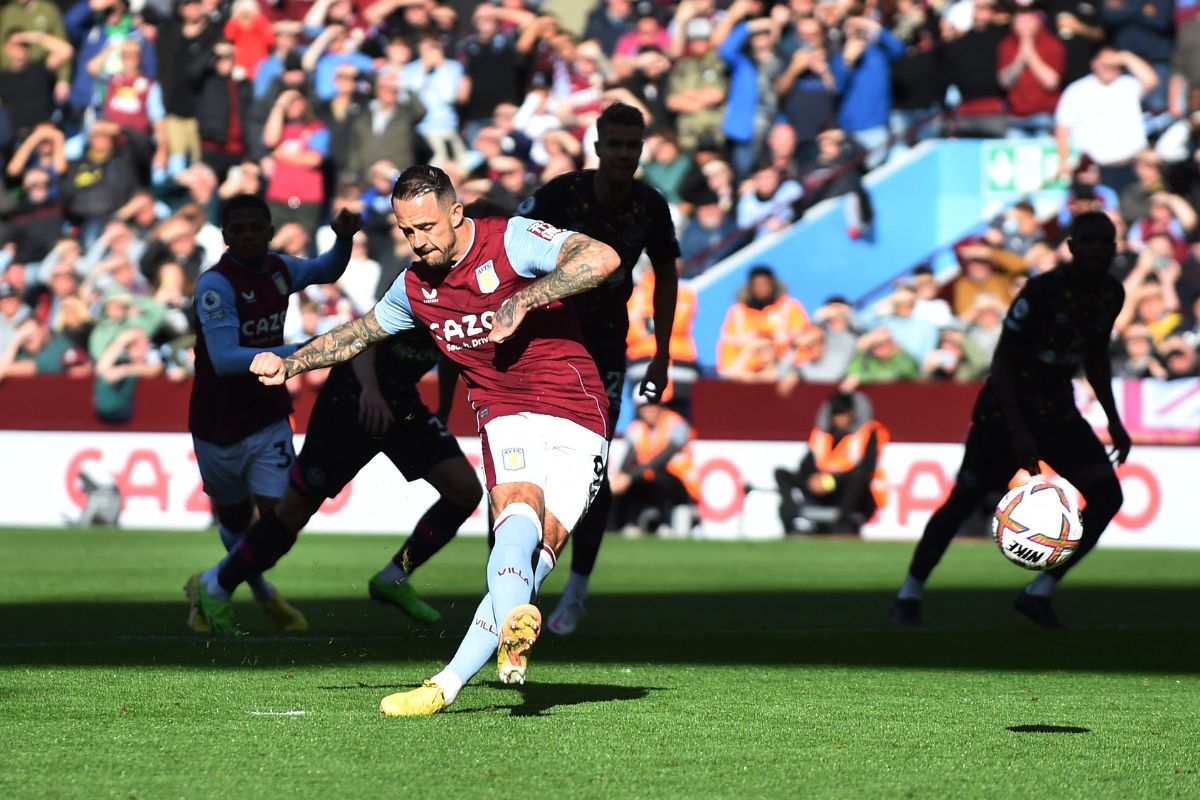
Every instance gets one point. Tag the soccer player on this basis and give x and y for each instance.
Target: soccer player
(240, 429)
(364, 408)
(630, 216)
(1061, 321)
(489, 290)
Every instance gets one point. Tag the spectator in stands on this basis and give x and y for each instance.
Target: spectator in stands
(127, 358)
(360, 282)
(607, 22)
(697, 86)
(1078, 25)
(840, 472)
(387, 130)
(648, 34)
(663, 165)
(647, 82)
(1143, 28)
(830, 346)
(1181, 139)
(1135, 197)
(768, 202)
(491, 67)
(641, 344)
(983, 321)
(708, 235)
(36, 222)
(331, 48)
(271, 68)
(917, 83)
(185, 42)
(1031, 61)
(1018, 230)
(807, 87)
(174, 242)
(298, 143)
(746, 42)
(915, 334)
(338, 114)
(221, 111)
(133, 100)
(657, 477)
(1166, 215)
(439, 84)
(863, 74)
(984, 270)
(97, 183)
(42, 149)
(836, 171)
(27, 77)
(13, 312)
(929, 304)
(955, 358)
(878, 358)
(1180, 359)
(252, 37)
(1135, 356)
(972, 67)
(37, 349)
(762, 330)
(1100, 115)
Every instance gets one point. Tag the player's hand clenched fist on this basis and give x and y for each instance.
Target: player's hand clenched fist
(346, 224)
(508, 318)
(269, 368)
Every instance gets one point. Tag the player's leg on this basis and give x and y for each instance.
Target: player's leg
(425, 449)
(577, 462)
(1073, 451)
(588, 535)
(988, 463)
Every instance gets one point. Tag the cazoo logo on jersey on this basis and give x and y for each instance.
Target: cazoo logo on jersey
(272, 323)
(470, 331)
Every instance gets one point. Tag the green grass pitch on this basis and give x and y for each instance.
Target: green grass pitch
(706, 670)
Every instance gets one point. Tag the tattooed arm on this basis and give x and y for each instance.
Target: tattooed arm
(340, 344)
(583, 263)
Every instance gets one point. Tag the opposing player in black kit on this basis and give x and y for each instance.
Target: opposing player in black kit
(366, 407)
(1061, 322)
(630, 216)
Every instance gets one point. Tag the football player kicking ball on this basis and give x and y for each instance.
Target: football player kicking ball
(489, 290)
(364, 408)
(1061, 322)
(630, 216)
(240, 429)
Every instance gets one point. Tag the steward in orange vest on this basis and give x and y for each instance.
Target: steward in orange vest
(657, 473)
(841, 470)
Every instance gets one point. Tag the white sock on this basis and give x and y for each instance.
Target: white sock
(450, 684)
(912, 589)
(211, 585)
(393, 573)
(577, 586)
(1042, 586)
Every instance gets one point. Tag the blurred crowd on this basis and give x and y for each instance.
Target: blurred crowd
(125, 123)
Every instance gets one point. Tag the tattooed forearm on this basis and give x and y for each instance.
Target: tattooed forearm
(583, 263)
(340, 344)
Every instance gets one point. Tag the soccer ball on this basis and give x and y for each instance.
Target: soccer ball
(1036, 525)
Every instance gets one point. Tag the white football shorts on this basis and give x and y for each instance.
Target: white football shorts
(256, 465)
(564, 458)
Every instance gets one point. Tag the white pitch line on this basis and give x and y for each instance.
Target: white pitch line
(296, 713)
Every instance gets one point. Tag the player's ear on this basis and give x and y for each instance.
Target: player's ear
(456, 215)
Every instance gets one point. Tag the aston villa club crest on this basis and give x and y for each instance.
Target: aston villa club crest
(487, 278)
(280, 282)
(513, 458)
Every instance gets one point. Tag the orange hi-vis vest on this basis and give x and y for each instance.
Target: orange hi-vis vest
(640, 342)
(849, 451)
(648, 442)
(784, 321)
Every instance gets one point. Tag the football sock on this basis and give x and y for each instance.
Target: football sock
(543, 568)
(1042, 586)
(393, 573)
(433, 531)
(912, 589)
(208, 579)
(477, 648)
(259, 587)
(577, 586)
(511, 564)
(263, 544)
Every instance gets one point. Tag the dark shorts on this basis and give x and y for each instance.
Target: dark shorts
(612, 375)
(1067, 443)
(336, 447)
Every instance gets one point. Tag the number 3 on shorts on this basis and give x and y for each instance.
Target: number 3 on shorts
(285, 458)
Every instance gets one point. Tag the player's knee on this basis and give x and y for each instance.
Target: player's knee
(1105, 497)
(466, 495)
(517, 510)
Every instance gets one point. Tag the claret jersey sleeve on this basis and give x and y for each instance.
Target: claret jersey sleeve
(533, 246)
(393, 311)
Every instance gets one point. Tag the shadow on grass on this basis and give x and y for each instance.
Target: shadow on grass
(1047, 729)
(1112, 630)
(536, 698)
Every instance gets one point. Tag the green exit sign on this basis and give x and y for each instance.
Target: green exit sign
(1020, 167)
